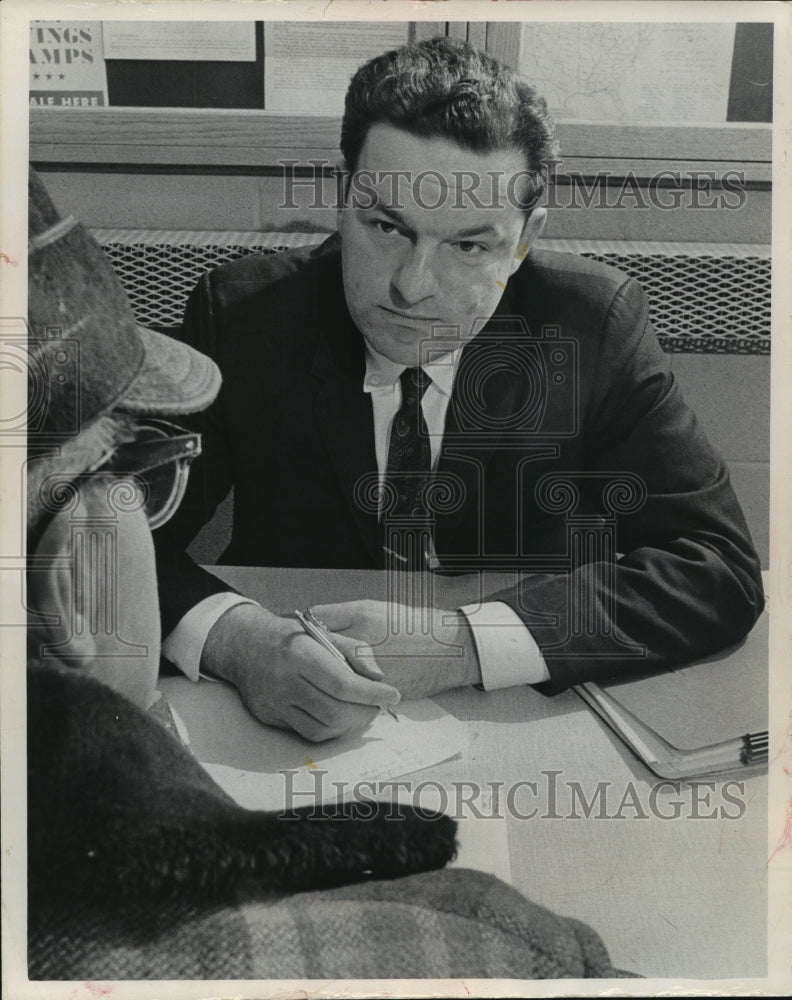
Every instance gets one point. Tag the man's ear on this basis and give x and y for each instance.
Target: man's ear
(532, 229)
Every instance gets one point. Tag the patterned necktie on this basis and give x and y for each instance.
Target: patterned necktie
(408, 473)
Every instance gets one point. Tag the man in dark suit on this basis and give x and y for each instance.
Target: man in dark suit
(422, 392)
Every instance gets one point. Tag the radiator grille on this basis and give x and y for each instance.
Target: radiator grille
(704, 298)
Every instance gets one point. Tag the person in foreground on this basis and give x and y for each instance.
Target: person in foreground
(139, 866)
(427, 391)
(115, 804)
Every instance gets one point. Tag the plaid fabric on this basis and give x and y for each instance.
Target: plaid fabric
(455, 923)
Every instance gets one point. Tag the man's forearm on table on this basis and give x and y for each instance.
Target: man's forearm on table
(503, 648)
(184, 646)
(507, 653)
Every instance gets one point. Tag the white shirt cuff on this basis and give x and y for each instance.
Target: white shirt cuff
(507, 652)
(184, 645)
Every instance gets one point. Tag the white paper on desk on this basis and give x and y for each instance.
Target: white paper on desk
(247, 759)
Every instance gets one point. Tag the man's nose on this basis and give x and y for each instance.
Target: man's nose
(414, 278)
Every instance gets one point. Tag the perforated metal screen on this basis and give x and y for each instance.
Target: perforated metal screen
(704, 298)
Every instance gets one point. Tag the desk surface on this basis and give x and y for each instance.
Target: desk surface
(674, 879)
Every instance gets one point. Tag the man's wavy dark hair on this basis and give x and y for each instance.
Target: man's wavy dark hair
(447, 88)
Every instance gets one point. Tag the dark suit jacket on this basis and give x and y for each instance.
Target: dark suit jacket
(567, 441)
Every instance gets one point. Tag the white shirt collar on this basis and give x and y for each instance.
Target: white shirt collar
(381, 372)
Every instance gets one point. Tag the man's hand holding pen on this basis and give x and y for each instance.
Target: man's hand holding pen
(318, 630)
(288, 679)
(421, 651)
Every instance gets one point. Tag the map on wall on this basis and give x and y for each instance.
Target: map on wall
(625, 72)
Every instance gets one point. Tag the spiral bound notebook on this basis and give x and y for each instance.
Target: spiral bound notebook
(705, 718)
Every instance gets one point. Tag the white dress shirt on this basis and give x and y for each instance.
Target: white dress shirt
(508, 653)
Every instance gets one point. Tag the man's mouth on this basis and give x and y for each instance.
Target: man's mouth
(408, 317)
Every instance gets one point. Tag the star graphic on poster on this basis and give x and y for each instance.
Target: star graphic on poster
(35, 76)
(49, 76)
(61, 76)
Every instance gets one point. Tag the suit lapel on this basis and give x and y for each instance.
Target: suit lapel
(492, 403)
(487, 393)
(346, 424)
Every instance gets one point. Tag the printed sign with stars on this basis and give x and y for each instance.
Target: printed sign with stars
(67, 68)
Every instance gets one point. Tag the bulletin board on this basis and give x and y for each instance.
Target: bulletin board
(279, 66)
(246, 114)
(303, 66)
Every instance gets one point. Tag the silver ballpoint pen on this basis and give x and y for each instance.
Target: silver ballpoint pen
(319, 631)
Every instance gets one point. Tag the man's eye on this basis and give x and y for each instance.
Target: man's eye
(471, 249)
(386, 228)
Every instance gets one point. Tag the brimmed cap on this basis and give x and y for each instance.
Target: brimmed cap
(88, 355)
